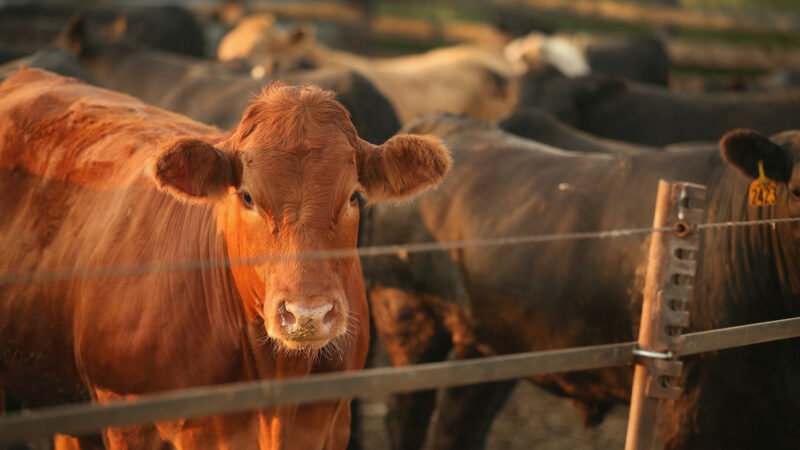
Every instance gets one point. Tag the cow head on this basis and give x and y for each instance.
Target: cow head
(258, 39)
(743, 149)
(287, 183)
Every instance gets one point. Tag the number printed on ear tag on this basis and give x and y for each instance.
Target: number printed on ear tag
(762, 189)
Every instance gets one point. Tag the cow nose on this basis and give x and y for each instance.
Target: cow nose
(291, 311)
(302, 321)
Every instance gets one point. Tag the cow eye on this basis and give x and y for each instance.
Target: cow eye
(354, 197)
(247, 199)
(796, 193)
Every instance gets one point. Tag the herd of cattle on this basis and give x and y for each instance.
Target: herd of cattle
(121, 145)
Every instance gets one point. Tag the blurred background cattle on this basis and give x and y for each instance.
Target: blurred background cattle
(620, 78)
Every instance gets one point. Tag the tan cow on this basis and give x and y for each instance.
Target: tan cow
(94, 179)
(464, 79)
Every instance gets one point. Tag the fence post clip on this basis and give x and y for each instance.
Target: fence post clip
(671, 267)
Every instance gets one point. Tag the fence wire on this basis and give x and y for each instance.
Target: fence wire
(42, 276)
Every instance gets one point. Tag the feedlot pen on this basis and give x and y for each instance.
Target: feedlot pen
(655, 356)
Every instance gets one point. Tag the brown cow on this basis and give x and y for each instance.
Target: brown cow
(462, 79)
(92, 178)
(212, 93)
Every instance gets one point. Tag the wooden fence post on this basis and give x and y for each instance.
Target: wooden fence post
(670, 269)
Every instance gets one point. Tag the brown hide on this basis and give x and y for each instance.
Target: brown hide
(92, 178)
(463, 79)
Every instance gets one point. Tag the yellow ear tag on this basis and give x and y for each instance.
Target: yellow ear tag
(762, 189)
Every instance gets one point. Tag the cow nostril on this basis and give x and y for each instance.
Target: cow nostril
(329, 316)
(287, 318)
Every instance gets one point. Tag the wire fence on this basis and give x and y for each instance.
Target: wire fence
(237, 397)
(368, 383)
(27, 277)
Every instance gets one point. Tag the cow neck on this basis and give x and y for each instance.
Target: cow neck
(222, 299)
(217, 282)
(258, 353)
(262, 357)
(748, 273)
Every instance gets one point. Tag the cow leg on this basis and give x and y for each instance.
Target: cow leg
(356, 438)
(64, 442)
(8, 404)
(411, 334)
(375, 358)
(339, 434)
(465, 413)
(592, 413)
(144, 436)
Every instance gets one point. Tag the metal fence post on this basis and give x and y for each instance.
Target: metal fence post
(670, 269)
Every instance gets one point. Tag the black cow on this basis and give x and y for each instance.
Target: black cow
(211, 93)
(171, 28)
(638, 59)
(539, 125)
(55, 60)
(652, 115)
(645, 60)
(497, 300)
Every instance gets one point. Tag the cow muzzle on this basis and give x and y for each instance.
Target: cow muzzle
(307, 323)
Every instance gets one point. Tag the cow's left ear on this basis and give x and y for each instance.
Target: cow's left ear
(193, 170)
(403, 166)
(743, 149)
(73, 36)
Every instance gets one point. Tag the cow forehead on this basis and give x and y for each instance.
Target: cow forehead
(291, 115)
(300, 177)
(289, 164)
(296, 143)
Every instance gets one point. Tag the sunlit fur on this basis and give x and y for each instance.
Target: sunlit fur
(93, 178)
(465, 79)
(296, 147)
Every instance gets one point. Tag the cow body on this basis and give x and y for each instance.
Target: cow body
(539, 125)
(651, 115)
(170, 28)
(215, 94)
(54, 60)
(93, 178)
(461, 79)
(644, 60)
(541, 296)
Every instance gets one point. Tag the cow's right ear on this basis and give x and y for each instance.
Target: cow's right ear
(743, 149)
(193, 170)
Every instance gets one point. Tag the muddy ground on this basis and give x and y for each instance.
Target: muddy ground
(531, 419)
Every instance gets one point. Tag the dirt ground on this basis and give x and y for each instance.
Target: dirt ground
(531, 419)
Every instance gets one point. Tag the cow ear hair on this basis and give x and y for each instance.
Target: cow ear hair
(72, 37)
(402, 167)
(118, 28)
(195, 171)
(744, 148)
(300, 33)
